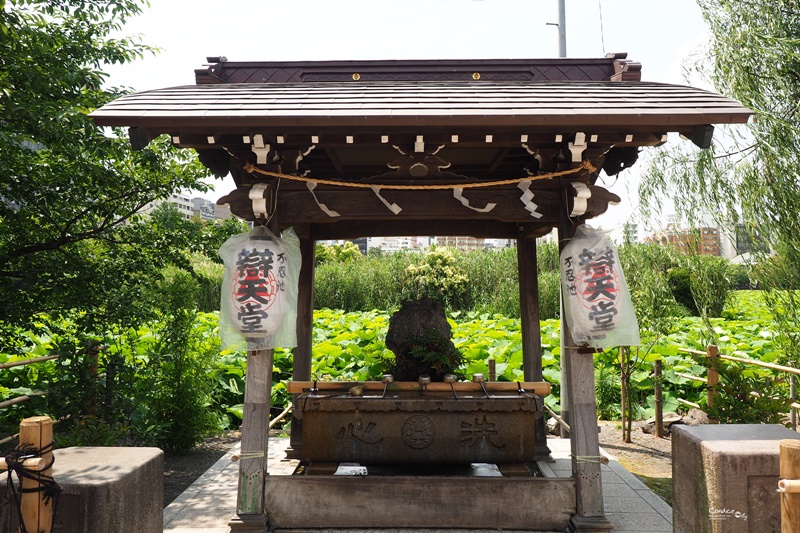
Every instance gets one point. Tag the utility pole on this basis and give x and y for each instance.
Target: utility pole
(564, 400)
(562, 28)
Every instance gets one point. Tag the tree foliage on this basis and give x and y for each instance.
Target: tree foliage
(438, 276)
(752, 177)
(344, 253)
(70, 190)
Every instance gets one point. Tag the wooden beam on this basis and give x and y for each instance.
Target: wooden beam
(789, 453)
(334, 159)
(38, 464)
(498, 160)
(542, 388)
(232, 138)
(305, 310)
(299, 207)
(401, 228)
(529, 310)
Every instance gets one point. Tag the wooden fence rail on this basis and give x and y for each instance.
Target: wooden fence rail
(28, 361)
(712, 381)
(756, 362)
(24, 397)
(20, 399)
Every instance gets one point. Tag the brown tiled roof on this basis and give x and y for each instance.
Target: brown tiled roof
(449, 121)
(477, 103)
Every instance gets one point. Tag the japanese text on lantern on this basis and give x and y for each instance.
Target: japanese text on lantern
(598, 287)
(256, 286)
(594, 282)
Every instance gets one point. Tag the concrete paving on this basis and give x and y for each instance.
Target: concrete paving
(209, 503)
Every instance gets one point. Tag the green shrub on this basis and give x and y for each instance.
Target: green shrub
(338, 252)
(494, 284)
(680, 283)
(372, 282)
(376, 281)
(739, 276)
(607, 386)
(710, 284)
(647, 269)
(748, 396)
(176, 389)
(208, 275)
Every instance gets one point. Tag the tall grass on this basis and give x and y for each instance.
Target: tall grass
(208, 276)
(493, 281)
(381, 282)
(364, 284)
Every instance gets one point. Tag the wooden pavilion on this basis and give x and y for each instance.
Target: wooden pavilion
(475, 138)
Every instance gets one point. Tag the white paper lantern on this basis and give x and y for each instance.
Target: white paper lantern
(259, 290)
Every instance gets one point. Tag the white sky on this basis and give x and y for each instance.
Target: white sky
(660, 34)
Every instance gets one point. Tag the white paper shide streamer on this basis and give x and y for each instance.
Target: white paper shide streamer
(393, 207)
(527, 198)
(458, 194)
(311, 185)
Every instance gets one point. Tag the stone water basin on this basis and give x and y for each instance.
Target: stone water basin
(420, 427)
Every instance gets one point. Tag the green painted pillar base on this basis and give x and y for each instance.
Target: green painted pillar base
(249, 522)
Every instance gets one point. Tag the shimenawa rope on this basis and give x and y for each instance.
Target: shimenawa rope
(585, 165)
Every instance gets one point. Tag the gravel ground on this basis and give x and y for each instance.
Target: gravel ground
(646, 455)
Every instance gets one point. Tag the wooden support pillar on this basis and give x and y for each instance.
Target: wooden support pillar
(37, 515)
(584, 442)
(790, 476)
(301, 368)
(250, 512)
(531, 329)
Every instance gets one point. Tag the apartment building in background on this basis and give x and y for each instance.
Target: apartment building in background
(190, 207)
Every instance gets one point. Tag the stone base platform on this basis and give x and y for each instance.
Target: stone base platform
(207, 506)
(725, 477)
(105, 490)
